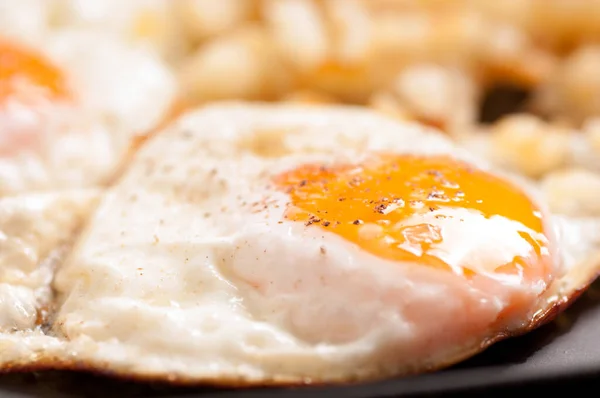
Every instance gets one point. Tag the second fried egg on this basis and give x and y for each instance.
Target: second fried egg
(69, 109)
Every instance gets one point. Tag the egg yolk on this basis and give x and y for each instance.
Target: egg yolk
(21, 69)
(369, 203)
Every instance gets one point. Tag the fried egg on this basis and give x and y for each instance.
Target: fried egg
(258, 244)
(69, 110)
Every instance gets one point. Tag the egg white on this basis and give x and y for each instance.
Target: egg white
(35, 232)
(174, 278)
(48, 189)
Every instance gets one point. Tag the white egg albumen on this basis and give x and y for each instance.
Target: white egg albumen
(35, 230)
(174, 278)
(49, 186)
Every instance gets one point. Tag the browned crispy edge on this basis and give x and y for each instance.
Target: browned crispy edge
(179, 107)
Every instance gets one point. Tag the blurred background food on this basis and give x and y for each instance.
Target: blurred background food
(516, 79)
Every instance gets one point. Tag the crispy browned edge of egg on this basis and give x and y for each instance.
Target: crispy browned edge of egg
(559, 296)
(180, 106)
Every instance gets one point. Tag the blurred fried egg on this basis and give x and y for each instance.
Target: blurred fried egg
(287, 244)
(69, 110)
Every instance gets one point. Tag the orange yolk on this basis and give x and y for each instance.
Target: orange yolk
(22, 68)
(366, 204)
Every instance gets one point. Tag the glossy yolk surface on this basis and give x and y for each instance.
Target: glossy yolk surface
(22, 69)
(368, 204)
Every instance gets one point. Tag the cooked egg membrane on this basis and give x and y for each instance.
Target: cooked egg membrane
(191, 271)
